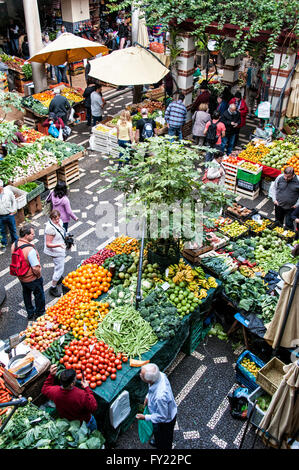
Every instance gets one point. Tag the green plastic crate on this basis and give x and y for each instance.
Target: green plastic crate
(249, 177)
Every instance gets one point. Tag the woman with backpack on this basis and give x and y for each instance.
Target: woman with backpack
(61, 203)
(54, 246)
(200, 119)
(214, 131)
(124, 131)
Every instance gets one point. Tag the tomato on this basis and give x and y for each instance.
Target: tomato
(124, 359)
(94, 368)
(79, 376)
(113, 376)
(88, 376)
(99, 382)
(103, 378)
(83, 367)
(61, 360)
(117, 362)
(96, 362)
(107, 373)
(102, 371)
(109, 369)
(92, 384)
(101, 343)
(98, 376)
(119, 366)
(87, 355)
(88, 370)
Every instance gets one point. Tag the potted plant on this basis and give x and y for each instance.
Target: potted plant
(161, 179)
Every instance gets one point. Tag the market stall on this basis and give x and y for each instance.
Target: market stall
(37, 106)
(20, 71)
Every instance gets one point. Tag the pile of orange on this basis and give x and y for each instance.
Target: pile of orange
(231, 159)
(91, 278)
(123, 244)
(86, 318)
(294, 162)
(62, 312)
(254, 153)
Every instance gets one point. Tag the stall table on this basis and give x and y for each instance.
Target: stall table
(162, 353)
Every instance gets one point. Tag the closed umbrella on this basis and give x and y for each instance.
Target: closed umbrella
(68, 48)
(130, 66)
(293, 104)
(142, 37)
(282, 417)
(280, 324)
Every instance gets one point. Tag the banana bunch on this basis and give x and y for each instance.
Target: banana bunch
(198, 272)
(193, 286)
(180, 272)
(212, 282)
(203, 283)
(201, 294)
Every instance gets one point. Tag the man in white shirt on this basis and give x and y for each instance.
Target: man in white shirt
(161, 405)
(97, 105)
(8, 208)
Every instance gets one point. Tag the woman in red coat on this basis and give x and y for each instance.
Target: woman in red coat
(243, 110)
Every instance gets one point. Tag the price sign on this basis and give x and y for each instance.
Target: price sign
(116, 326)
(165, 286)
(91, 347)
(61, 340)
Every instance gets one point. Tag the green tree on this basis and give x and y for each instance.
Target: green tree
(250, 16)
(162, 180)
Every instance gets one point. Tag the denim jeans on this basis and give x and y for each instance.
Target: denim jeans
(8, 221)
(123, 144)
(58, 74)
(65, 226)
(96, 119)
(37, 289)
(175, 131)
(229, 142)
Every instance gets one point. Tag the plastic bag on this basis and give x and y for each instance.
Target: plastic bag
(66, 131)
(53, 131)
(145, 428)
(60, 136)
(263, 110)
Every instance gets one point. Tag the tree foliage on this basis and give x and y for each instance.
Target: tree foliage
(273, 16)
(162, 179)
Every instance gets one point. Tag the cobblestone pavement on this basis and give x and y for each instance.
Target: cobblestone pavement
(200, 381)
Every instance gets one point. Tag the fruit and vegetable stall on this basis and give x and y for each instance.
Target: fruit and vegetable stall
(35, 165)
(98, 328)
(264, 162)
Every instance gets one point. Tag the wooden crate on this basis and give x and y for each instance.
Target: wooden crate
(50, 180)
(34, 206)
(69, 173)
(248, 194)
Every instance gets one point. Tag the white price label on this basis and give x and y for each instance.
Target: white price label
(166, 272)
(116, 326)
(165, 286)
(61, 339)
(91, 347)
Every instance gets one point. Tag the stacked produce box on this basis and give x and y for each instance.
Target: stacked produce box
(248, 180)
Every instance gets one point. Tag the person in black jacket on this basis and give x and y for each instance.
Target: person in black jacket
(111, 42)
(60, 105)
(231, 118)
(87, 103)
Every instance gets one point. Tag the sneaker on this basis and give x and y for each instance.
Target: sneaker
(54, 291)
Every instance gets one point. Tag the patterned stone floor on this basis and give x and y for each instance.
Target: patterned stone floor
(201, 381)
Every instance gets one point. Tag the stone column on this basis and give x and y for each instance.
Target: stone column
(184, 75)
(35, 43)
(279, 73)
(231, 73)
(75, 13)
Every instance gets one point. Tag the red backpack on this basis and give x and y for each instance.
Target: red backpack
(19, 266)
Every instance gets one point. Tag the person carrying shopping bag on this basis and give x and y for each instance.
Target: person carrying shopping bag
(60, 202)
(54, 246)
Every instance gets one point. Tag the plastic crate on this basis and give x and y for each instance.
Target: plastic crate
(248, 186)
(20, 195)
(36, 191)
(198, 332)
(243, 376)
(257, 414)
(248, 176)
(270, 375)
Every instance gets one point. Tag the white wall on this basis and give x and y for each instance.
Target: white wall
(75, 10)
